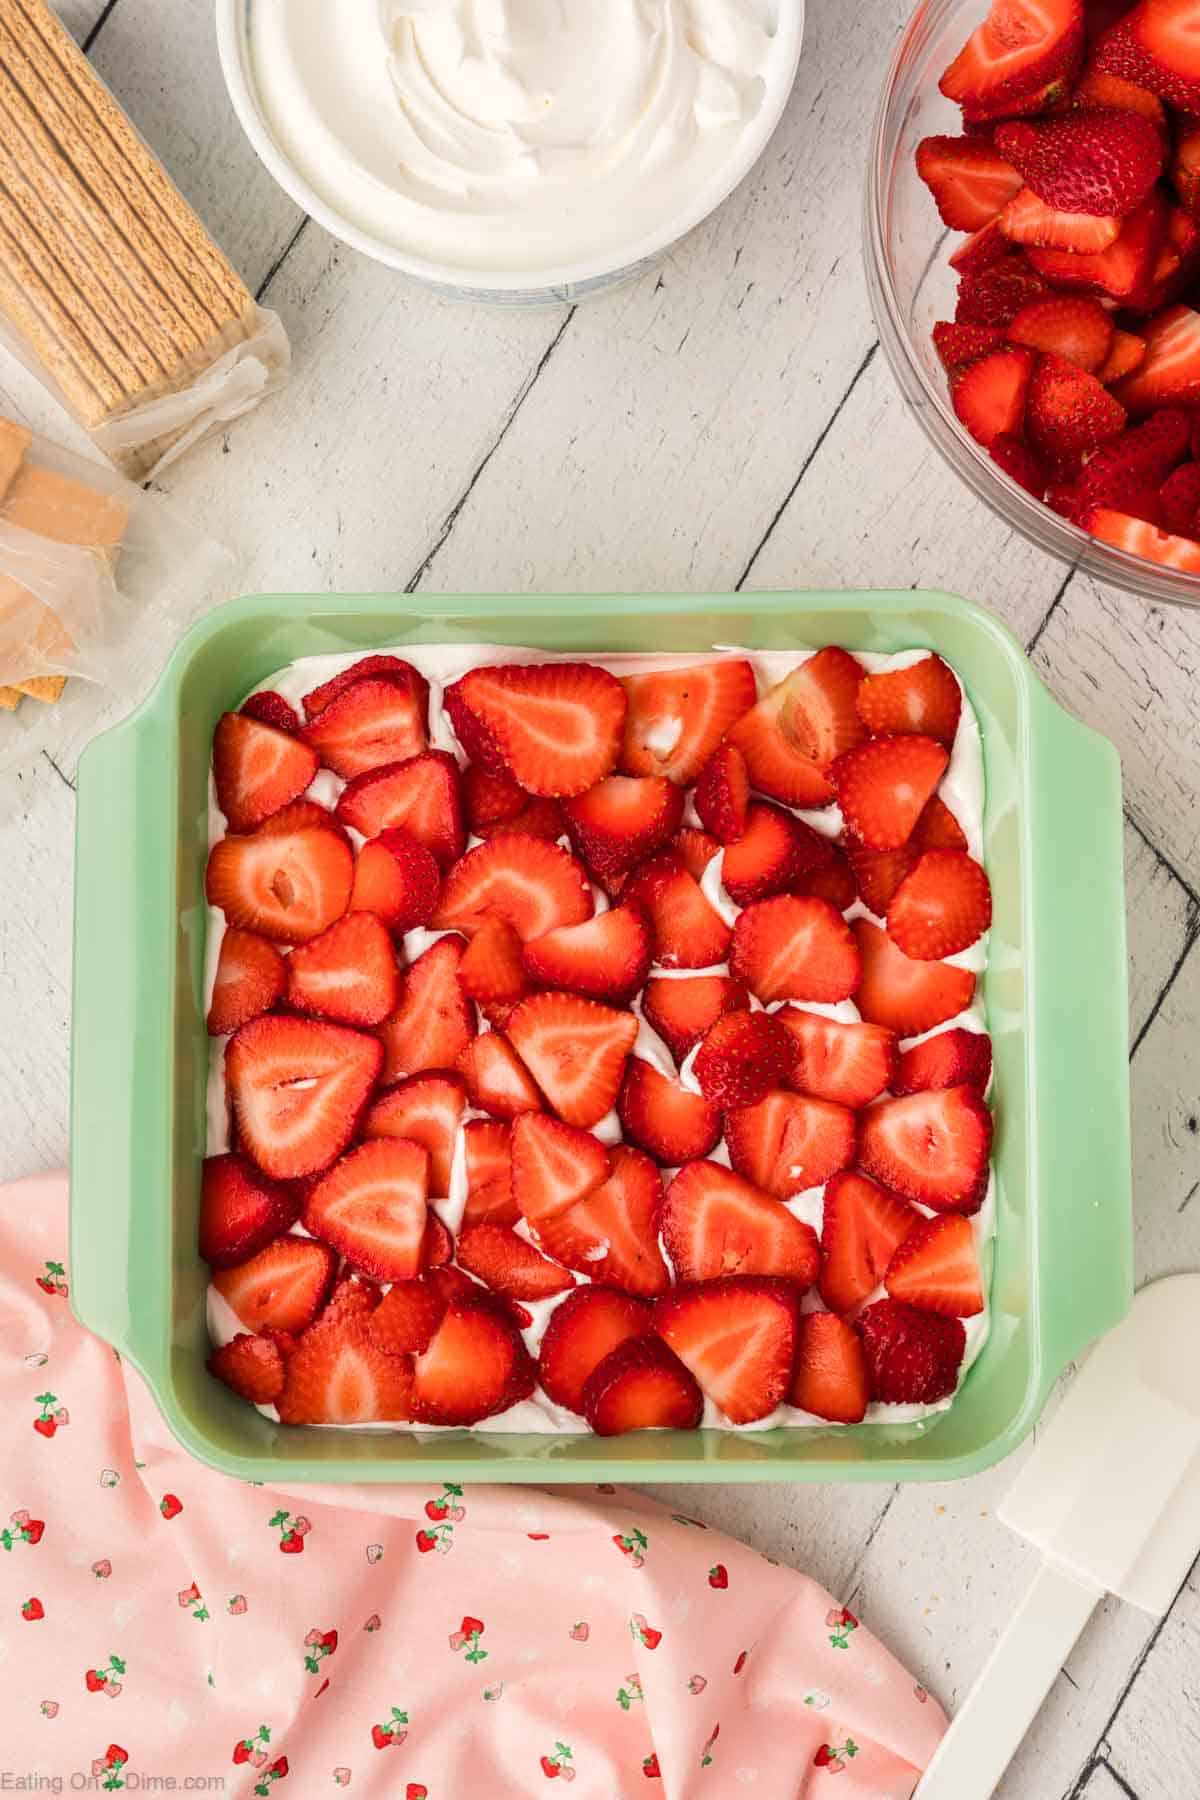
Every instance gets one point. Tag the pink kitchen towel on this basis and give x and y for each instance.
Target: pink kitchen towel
(159, 1620)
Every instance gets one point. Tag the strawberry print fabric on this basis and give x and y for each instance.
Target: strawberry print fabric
(158, 1619)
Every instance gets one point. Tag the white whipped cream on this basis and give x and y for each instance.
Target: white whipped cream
(520, 135)
(961, 787)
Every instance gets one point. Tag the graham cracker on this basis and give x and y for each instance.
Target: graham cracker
(17, 306)
(46, 688)
(56, 322)
(14, 442)
(64, 510)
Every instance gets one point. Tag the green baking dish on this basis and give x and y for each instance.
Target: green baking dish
(1055, 991)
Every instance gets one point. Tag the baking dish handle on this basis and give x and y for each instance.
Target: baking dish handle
(1077, 1006)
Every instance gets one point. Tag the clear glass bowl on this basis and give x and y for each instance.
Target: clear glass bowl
(911, 283)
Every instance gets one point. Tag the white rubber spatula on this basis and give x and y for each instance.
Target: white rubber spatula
(1111, 1497)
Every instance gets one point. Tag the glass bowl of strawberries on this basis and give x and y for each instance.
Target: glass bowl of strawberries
(1033, 258)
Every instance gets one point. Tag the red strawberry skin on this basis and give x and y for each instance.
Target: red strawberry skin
(240, 1210)
(582, 1331)
(913, 1357)
(742, 1057)
(1100, 161)
(932, 1147)
(639, 1385)
(257, 769)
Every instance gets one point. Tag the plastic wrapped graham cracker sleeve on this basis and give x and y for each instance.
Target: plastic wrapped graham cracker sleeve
(111, 290)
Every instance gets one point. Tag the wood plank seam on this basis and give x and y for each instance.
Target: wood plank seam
(98, 27)
(1191, 933)
(275, 267)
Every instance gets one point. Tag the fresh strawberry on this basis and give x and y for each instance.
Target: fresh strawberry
(437, 1244)
(371, 1206)
(878, 873)
(861, 1227)
(883, 786)
(611, 1234)
(716, 1222)
(723, 793)
(970, 182)
(251, 1366)
(982, 250)
(954, 1058)
(406, 1318)
(994, 295)
(433, 1022)
(937, 1268)
(1185, 168)
(1097, 88)
(371, 724)
(1024, 49)
(1166, 31)
(257, 769)
(288, 887)
(924, 698)
(396, 878)
(1020, 464)
(488, 1151)
(534, 885)
(240, 1210)
(913, 1357)
(621, 821)
(605, 958)
(352, 1297)
(509, 1264)
(490, 799)
(1122, 271)
(847, 1063)
(1169, 374)
(575, 1049)
(830, 1376)
(300, 815)
(1138, 538)
(738, 1338)
(340, 1376)
(475, 1365)
(554, 727)
(958, 345)
(775, 851)
(553, 1166)
(742, 1056)
(1099, 162)
(497, 1080)
(695, 850)
(1070, 326)
(795, 947)
(932, 1147)
(420, 795)
(670, 1122)
(298, 1088)
(1128, 352)
(688, 932)
(833, 881)
(793, 735)
(1140, 457)
(451, 1285)
(1069, 413)
(641, 1385)
(538, 818)
(427, 1110)
(281, 1288)
(251, 977)
(1180, 500)
(348, 974)
(269, 708)
(908, 997)
(677, 717)
(589, 1324)
(681, 1010)
(391, 668)
(989, 395)
(942, 907)
(492, 970)
(788, 1143)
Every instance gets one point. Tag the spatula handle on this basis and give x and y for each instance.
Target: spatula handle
(1005, 1700)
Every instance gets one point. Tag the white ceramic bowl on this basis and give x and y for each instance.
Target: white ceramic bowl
(569, 281)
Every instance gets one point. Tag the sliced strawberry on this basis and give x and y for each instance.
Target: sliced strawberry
(670, 1122)
(474, 1366)
(989, 395)
(958, 345)
(396, 878)
(1180, 500)
(340, 1376)
(913, 1357)
(937, 1268)
(1122, 271)
(427, 1110)
(538, 818)
(738, 1338)
(1169, 374)
(251, 977)
(953, 1058)
(437, 1245)
(994, 295)
(883, 786)
(251, 1366)
(406, 1318)
(775, 850)
(1097, 161)
(849, 1064)
(932, 1147)
(288, 888)
(788, 1143)
(611, 1234)
(497, 1080)
(371, 1206)
(830, 1377)
(1140, 539)
(1020, 464)
(795, 947)
(554, 727)
(575, 1050)
(300, 815)
(908, 997)
(257, 769)
(1071, 326)
(641, 1385)
(420, 795)
(833, 881)
(942, 907)
(281, 1288)
(1185, 168)
(348, 974)
(509, 1264)
(742, 1056)
(716, 1222)
(1098, 88)
(1069, 414)
(862, 1225)
(793, 735)
(723, 793)
(924, 698)
(695, 850)
(490, 799)
(605, 958)
(1142, 456)
(1021, 47)
(371, 723)
(681, 1010)
(677, 717)
(622, 820)
(391, 668)
(582, 1331)
(1166, 30)
(352, 1297)
(488, 1150)
(553, 1166)
(433, 1022)
(298, 1088)
(982, 250)
(878, 873)
(1029, 221)
(970, 182)
(240, 1210)
(688, 931)
(534, 885)
(492, 970)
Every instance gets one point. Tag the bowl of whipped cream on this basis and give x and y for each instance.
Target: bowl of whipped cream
(514, 151)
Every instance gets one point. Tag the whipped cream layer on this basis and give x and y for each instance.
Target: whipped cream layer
(962, 789)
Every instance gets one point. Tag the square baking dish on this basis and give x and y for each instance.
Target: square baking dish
(1055, 991)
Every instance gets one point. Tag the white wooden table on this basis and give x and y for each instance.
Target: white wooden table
(725, 422)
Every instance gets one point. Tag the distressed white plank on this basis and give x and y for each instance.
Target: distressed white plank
(1166, 1132)
(1154, 1743)
(1102, 1784)
(1161, 920)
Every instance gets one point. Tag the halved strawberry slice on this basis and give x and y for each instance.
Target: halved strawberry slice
(937, 1267)
(581, 1332)
(670, 1122)
(509, 1264)
(340, 1376)
(1094, 160)
(833, 881)
(406, 1318)
(908, 997)
(553, 1166)
(433, 1022)
(300, 815)
(989, 395)
(688, 931)
(913, 1357)
(490, 799)
(1069, 413)
(611, 1234)
(954, 1058)
(1180, 500)
(695, 850)
(1141, 457)
(427, 1110)
(683, 1009)
(371, 723)
(396, 878)
(677, 717)
(298, 1088)
(575, 1049)
(348, 974)
(437, 1245)
(723, 793)
(832, 1060)
(775, 851)
(605, 958)
(257, 769)
(475, 1365)
(788, 1143)
(392, 668)
(282, 1287)
(1140, 539)
(240, 1210)
(932, 1147)
(352, 1297)
(1166, 30)
(270, 708)
(371, 1206)
(536, 886)
(942, 907)
(958, 345)
(716, 1223)
(883, 786)
(641, 1385)
(1072, 326)
(795, 947)
(1020, 464)
(738, 1338)
(1123, 271)
(924, 698)
(538, 818)
(968, 178)
(251, 1366)
(830, 1377)
(861, 1227)
(742, 1056)
(796, 731)
(554, 727)
(1021, 48)
(994, 294)
(488, 1150)
(497, 1080)
(621, 821)
(492, 970)
(251, 977)
(1169, 374)
(288, 887)
(420, 795)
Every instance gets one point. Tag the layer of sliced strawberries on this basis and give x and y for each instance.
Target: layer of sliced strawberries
(1074, 353)
(705, 1095)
